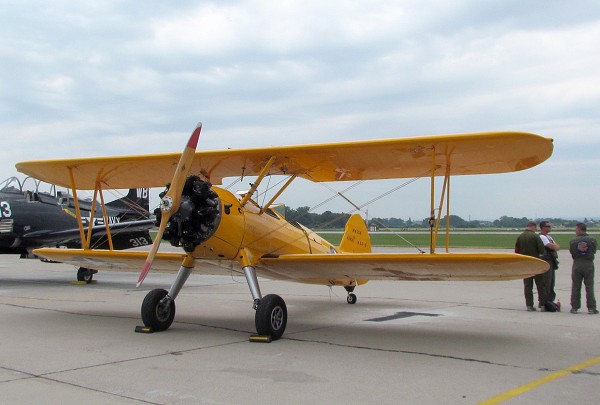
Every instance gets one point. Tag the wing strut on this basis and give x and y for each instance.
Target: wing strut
(86, 237)
(84, 243)
(445, 189)
(434, 221)
(260, 178)
(88, 240)
(278, 193)
(432, 238)
(105, 215)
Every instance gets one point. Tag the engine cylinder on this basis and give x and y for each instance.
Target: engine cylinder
(198, 216)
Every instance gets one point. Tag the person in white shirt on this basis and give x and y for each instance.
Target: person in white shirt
(551, 256)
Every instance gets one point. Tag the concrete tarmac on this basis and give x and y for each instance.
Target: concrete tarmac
(402, 343)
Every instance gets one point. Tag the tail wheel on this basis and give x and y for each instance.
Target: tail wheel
(271, 316)
(158, 312)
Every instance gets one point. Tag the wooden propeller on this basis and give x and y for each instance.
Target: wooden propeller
(169, 204)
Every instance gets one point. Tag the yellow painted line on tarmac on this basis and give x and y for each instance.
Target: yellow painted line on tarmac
(536, 383)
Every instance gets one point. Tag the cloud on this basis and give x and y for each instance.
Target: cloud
(117, 78)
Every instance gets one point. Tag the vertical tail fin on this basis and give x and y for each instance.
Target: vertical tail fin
(356, 237)
(135, 205)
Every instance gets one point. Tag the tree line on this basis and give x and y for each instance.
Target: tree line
(332, 220)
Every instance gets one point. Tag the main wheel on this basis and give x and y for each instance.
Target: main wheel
(84, 274)
(351, 298)
(271, 316)
(156, 313)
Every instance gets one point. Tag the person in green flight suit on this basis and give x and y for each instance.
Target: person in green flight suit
(529, 244)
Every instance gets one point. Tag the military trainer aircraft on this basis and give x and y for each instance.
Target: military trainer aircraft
(33, 216)
(224, 233)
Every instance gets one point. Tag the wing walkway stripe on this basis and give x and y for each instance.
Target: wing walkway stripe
(536, 383)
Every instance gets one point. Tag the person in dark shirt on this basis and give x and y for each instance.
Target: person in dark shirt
(583, 248)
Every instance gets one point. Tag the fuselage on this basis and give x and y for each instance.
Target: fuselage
(31, 219)
(27, 213)
(259, 232)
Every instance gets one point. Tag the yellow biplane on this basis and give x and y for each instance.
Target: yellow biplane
(224, 233)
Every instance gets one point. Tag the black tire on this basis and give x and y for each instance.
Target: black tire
(156, 314)
(271, 316)
(84, 274)
(351, 299)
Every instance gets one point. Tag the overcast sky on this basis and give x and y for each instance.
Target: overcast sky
(80, 78)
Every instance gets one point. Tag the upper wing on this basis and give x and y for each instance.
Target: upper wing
(326, 269)
(479, 153)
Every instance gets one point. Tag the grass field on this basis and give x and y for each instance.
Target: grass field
(494, 240)
(471, 239)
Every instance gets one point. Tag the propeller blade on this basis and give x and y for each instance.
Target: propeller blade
(152, 253)
(169, 204)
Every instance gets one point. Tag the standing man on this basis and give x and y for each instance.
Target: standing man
(583, 249)
(530, 244)
(551, 256)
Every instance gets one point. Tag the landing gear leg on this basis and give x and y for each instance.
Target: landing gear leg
(271, 311)
(158, 308)
(351, 298)
(252, 280)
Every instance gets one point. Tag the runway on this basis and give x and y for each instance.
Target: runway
(403, 342)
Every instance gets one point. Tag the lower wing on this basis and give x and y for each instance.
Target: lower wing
(402, 266)
(111, 260)
(326, 268)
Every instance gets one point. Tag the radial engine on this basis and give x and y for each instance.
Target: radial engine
(198, 217)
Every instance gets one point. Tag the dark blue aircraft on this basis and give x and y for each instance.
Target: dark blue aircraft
(31, 218)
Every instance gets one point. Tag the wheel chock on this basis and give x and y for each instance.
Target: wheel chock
(143, 329)
(76, 282)
(260, 339)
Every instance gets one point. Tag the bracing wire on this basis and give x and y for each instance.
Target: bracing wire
(358, 208)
